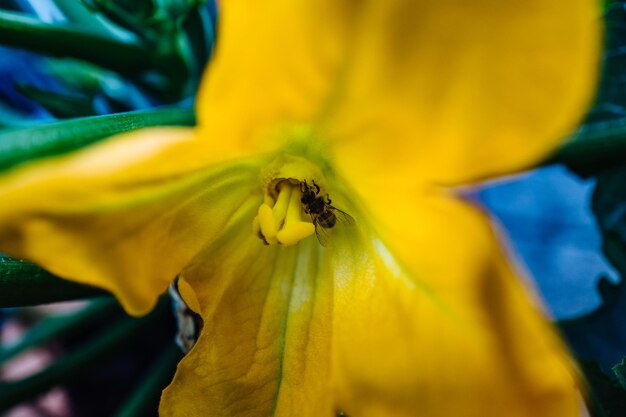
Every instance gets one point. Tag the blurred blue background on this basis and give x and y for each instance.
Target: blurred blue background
(546, 218)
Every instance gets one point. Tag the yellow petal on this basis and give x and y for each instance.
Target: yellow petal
(125, 215)
(275, 64)
(403, 348)
(454, 91)
(264, 349)
(188, 295)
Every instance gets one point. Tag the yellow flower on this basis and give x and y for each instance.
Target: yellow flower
(408, 310)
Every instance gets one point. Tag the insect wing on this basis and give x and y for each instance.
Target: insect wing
(343, 218)
(322, 233)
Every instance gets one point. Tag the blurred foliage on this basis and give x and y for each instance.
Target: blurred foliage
(25, 284)
(102, 56)
(603, 134)
(598, 339)
(20, 145)
(74, 72)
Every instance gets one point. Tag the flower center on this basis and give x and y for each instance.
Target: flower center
(282, 221)
(292, 197)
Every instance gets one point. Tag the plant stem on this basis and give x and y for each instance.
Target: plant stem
(25, 284)
(21, 31)
(22, 144)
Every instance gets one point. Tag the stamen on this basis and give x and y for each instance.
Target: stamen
(294, 229)
(283, 222)
(282, 202)
(267, 224)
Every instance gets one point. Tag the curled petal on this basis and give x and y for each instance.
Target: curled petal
(125, 215)
(265, 344)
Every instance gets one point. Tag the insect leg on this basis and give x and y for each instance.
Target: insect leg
(317, 187)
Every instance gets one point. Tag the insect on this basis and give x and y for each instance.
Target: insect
(323, 214)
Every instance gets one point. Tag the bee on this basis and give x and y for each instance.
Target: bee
(323, 214)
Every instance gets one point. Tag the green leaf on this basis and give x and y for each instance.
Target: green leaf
(20, 145)
(595, 148)
(23, 284)
(77, 13)
(21, 31)
(123, 18)
(600, 144)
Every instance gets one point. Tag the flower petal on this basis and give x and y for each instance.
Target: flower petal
(471, 345)
(275, 64)
(453, 91)
(265, 345)
(125, 215)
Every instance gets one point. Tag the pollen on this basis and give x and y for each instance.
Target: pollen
(281, 220)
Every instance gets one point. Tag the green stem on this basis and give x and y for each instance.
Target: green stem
(77, 13)
(55, 327)
(119, 16)
(19, 145)
(142, 400)
(594, 148)
(21, 31)
(77, 363)
(25, 284)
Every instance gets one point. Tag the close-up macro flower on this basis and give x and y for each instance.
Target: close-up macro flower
(312, 208)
